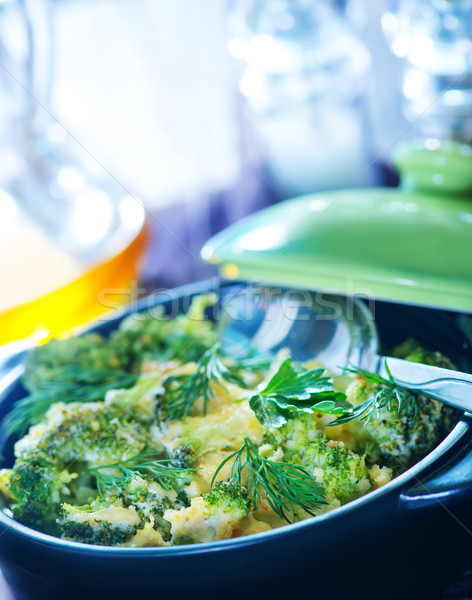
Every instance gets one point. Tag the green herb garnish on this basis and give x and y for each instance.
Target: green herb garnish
(251, 362)
(144, 463)
(184, 390)
(295, 389)
(388, 395)
(70, 383)
(284, 484)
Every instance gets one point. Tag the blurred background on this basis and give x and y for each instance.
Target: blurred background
(134, 130)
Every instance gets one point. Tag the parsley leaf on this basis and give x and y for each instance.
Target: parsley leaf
(296, 389)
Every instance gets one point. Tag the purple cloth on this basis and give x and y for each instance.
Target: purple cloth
(179, 232)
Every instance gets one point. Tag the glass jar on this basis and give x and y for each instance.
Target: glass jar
(67, 233)
(304, 77)
(435, 40)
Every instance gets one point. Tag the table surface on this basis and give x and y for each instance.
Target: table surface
(460, 590)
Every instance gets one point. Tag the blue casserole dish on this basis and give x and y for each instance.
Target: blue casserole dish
(405, 540)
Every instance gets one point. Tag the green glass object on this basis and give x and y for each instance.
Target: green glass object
(411, 244)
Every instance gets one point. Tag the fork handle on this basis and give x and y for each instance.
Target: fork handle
(448, 386)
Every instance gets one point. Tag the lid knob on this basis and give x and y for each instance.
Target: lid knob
(442, 167)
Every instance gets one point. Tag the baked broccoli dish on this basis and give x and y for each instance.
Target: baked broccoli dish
(162, 435)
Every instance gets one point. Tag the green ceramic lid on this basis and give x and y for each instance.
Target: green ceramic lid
(411, 244)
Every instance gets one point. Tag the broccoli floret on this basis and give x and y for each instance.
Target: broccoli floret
(37, 485)
(139, 337)
(106, 523)
(227, 498)
(411, 350)
(89, 433)
(396, 438)
(52, 458)
(154, 336)
(294, 435)
(90, 351)
(183, 456)
(218, 515)
(151, 339)
(116, 520)
(138, 403)
(342, 473)
(151, 501)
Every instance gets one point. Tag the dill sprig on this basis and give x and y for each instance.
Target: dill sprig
(70, 383)
(144, 463)
(252, 362)
(185, 389)
(389, 394)
(284, 484)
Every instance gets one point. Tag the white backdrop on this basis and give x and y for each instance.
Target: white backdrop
(149, 88)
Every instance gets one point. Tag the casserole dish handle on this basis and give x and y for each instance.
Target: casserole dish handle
(449, 486)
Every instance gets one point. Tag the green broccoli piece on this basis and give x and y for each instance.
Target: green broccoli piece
(413, 351)
(89, 434)
(139, 337)
(155, 337)
(228, 498)
(102, 522)
(91, 352)
(342, 473)
(294, 435)
(37, 486)
(398, 436)
(183, 456)
(151, 501)
(69, 439)
(117, 519)
(214, 516)
(394, 438)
